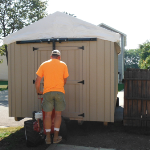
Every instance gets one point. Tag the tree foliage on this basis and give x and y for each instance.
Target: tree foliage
(16, 14)
(131, 58)
(2, 52)
(144, 62)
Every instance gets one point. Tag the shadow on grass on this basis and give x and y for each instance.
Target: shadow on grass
(17, 141)
(13, 140)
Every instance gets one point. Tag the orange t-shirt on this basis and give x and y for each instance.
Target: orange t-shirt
(54, 71)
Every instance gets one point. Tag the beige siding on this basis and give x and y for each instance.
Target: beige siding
(31, 77)
(103, 75)
(10, 81)
(18, 78)
(93, 72)
(100, 79)
(87, 82)
(107, 81)
(85, 98)
(24, 79)
(96, 65)
(112, 86)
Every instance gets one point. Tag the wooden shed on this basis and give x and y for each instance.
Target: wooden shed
(92, 86)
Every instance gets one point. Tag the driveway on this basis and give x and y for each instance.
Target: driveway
(5, 120)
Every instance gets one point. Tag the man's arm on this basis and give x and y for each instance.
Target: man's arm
(37, 85)
(65, 80)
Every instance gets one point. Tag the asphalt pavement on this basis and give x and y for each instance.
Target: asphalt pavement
(6, 121)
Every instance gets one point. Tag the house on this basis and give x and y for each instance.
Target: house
(123, 43)
(3, 69)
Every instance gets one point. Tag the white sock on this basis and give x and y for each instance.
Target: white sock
(48, 130)
(56, 129)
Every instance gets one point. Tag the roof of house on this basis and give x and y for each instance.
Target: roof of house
(114, 30)
(61, 25)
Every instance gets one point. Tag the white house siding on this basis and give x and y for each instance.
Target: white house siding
(3, 69)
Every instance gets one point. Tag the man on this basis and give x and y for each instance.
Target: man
(55, 73)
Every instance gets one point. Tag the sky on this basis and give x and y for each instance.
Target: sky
(131, 17)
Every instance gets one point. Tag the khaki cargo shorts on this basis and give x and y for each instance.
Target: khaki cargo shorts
(53, 100)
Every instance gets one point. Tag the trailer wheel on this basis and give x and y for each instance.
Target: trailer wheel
(32, 137)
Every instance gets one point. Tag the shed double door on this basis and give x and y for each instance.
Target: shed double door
(72, 56)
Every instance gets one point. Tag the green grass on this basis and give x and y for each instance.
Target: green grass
(3, 85)
(120, 87)
(10, 136)
(3, 82)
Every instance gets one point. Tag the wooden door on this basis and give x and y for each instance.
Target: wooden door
(72, 56)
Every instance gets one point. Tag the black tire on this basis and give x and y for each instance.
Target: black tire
(63, 129)
(32, 137)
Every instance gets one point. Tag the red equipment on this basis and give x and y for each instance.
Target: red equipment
(36, 124)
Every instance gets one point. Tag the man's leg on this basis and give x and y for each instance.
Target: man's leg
(57, 123)
(47, 124)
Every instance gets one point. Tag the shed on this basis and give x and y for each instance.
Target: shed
(91, 54)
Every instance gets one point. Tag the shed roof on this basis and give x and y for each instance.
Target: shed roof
(60, 25)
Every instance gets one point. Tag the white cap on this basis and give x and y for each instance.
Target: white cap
(56, 52)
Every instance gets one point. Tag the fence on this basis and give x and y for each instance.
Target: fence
(136, 97)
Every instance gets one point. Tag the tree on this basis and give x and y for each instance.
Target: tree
(144, 62)
(14, 15)
(131, 58)
(2, 52)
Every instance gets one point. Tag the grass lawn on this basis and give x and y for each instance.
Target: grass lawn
(120, 87)
(3, 85)
(10, 136)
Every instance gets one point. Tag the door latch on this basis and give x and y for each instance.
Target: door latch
(81, 82)
(82, 115)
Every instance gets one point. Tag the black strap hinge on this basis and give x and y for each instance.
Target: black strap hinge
(33, 81)
(35, 48)
(81, 82)
(81, 47)
(82, 115)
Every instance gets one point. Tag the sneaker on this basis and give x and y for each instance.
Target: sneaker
(57, 140)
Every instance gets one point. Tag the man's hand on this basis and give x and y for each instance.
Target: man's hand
(37, 85)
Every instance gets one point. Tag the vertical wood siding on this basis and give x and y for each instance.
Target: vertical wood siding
(24, 79)
(18, 78)
(136, 97)
(97, 97)
(100, 79)
(93, 81)
(10, 81)
(103, 81)
(31, 77)
(113, 73)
